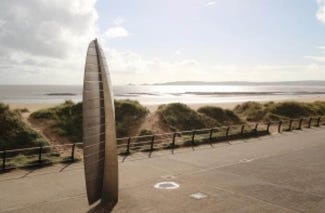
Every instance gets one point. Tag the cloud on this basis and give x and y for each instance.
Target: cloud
(316, 58)
(210, 3)
(116, 32)
(178, 53)
(321, 10)
(129, 66)
(118, 21)
(46, 38)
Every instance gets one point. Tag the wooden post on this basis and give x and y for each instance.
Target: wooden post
(268, 127)
(242, 129)
(300, 123)
(290, 125)
(193, 136)
(279, 127)
(227, 131)
(152, 142)
(72, 151)
(174, 139)
(309, 123)
(255, 129)
(4, 160)
(210, 135)
(40, 155)
(128, 145)
(318, 121)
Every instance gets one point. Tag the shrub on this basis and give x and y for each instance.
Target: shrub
(292, 109)
(222, 116)
(67, 118)
(252, 111)
(14, 133)
(271, 111)
(128, 114)
(180, 117)
(146, 132)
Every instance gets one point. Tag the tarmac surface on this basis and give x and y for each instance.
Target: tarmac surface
(278, 173)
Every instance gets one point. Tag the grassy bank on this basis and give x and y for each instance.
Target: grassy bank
(14, 132)
(270, 111)
(180, 117)
(66, 118)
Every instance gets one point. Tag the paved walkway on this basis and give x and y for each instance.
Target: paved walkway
(278, 173)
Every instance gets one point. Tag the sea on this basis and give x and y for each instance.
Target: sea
(168, 93)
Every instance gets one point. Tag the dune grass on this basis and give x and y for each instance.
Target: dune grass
(67, 118)
(179, 117)
(270, 111)
(224, 117)
(14, 132)
(128, 114)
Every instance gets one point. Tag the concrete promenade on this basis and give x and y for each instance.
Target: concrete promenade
(278, 173)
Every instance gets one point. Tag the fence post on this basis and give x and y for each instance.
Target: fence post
(227, 131)
(268, 127)
(255, 129)
(210, 135)
(72, 151)
(309, 123)
(174, 139)
(128, 146)
(242, 129)
(40, 155)
(318, 121)
(193, 136)
(279, 127)
(300, 123)
(152, 142)
(290, 125)
(4, 160)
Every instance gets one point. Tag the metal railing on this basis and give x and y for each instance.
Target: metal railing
(44, 155)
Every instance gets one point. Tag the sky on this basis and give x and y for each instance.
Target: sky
(145, 41)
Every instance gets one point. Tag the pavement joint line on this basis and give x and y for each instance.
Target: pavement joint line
(272, 184)
(254, 198)
(39, 174)
(256, 158)
(44, 202)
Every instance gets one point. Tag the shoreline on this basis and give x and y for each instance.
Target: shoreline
(153, 107)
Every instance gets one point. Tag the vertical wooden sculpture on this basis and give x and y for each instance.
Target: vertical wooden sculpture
(100, 155)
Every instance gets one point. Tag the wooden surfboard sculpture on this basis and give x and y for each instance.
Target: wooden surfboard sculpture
(99, 136)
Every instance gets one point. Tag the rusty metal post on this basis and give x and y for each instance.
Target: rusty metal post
(309, 123)
(279, 127)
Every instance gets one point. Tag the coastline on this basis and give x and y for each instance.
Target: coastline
(153, 107)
